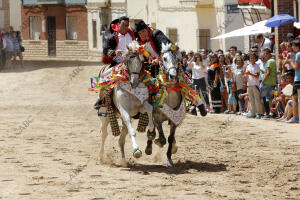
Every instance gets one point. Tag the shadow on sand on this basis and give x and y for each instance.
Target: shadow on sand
(179, 168)
(32, 65)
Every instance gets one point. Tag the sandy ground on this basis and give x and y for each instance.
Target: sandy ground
(50, 139)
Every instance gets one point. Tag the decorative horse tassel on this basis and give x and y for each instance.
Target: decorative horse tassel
(115, 129)
(143, 123)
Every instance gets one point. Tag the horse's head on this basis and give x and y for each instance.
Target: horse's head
(170, 60)
(134, 62)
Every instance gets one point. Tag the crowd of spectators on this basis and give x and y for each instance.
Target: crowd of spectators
(10, 48)
(256, 84)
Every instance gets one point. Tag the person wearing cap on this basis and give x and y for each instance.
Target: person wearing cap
(290, 37)
(121, 36)
(214, 83)
(152, 39)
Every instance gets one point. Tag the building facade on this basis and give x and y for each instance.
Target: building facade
(55, 28)
(10, 14)
(100, 14)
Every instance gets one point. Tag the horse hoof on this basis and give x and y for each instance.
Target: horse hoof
(137, 153)
(151, 135)
(174, 149)
(148, 150)
(124, 164)
(160, 142)
(170, 163)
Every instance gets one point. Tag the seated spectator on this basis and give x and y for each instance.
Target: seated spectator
(296, 66)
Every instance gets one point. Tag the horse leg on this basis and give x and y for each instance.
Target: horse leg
(171, 141)
(137, 153)
(151, 131)
(122, 139)
(161, 141)
(104, 124)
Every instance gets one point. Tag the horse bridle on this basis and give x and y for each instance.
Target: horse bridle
(168, 70)
(133, 54)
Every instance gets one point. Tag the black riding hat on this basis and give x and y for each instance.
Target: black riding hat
(140, 25)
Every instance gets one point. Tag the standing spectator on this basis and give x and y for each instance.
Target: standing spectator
(2, 55)
(233, 51)
(290, 37)
(8, 47)
(291, 56)
(17, 47)
(190, 57)
(238, 80)
(269, 81)
(214, 83)
(252, 72)
(296, 66)
(205, 58)
(105, 35)
(273, 46)
(262, 42)
(223, 89)
(199, 79)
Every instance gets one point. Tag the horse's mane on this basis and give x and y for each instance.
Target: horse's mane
(166, 47)
(132, 46)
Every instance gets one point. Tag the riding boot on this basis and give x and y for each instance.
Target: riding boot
(193, 110)
(97, 104)
(202, 110)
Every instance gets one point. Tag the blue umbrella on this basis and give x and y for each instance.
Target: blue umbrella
(280, 20)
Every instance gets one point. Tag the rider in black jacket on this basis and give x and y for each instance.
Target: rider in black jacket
(152, 39)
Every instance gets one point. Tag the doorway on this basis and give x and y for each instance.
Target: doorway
(51, 36)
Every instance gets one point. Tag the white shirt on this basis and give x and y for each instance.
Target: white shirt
(198, 71)
(262, 67)
(149, 48)
(123, 41)
(266, 43)
(254, 69)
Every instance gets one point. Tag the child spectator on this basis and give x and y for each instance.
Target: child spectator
(252, 71)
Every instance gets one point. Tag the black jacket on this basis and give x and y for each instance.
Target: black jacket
(158, 37)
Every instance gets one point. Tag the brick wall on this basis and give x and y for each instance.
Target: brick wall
(283, 7)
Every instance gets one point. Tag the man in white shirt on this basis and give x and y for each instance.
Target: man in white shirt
(263, 42)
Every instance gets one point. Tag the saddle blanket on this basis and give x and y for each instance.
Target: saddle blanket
(176, 116)
(141, 94)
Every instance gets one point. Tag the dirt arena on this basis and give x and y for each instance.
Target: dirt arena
(50, 139)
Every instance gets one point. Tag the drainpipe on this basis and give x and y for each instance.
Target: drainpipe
(272, 13)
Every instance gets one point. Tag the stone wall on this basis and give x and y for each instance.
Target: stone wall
(66, 50)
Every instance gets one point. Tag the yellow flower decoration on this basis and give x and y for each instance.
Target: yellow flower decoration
(173, 47)
(146, 53)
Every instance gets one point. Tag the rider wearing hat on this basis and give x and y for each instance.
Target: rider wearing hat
(121, 35)
(115, 47)
(152, 39)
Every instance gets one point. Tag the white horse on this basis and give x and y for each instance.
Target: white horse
(128, 105)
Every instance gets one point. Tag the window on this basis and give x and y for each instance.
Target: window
(203, 36)
(232, 8)
(94, 34)
(34, 22)
(71, 28)
(172, 34)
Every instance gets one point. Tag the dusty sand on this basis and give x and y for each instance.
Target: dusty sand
(50, 141)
